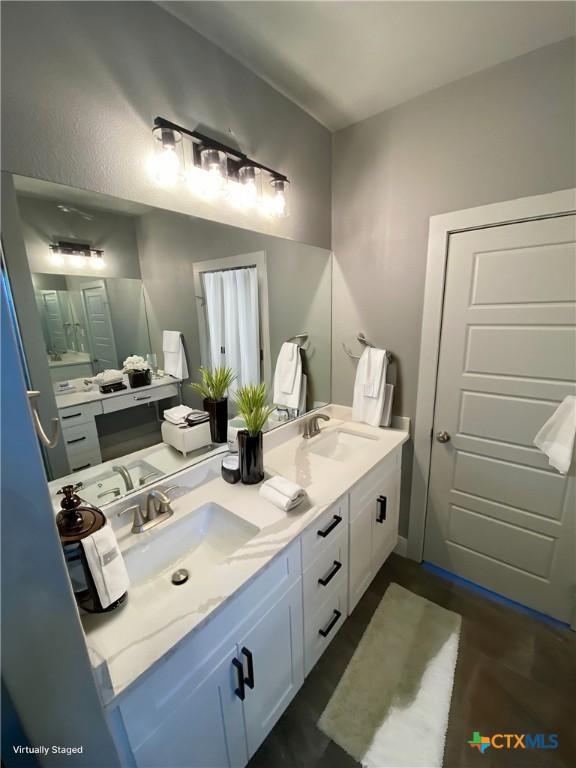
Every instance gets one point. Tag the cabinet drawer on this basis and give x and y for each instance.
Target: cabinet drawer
(80, 438)
(370, 486)
(79, 414)
(323, 531)
(85, 460)
(139, 396)
(327, 573)
(321, 627)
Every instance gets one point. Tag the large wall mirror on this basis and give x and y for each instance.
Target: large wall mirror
(100, 280)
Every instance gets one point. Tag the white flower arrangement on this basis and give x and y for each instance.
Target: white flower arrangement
(135, 363)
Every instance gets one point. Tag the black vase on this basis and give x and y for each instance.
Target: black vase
(140, 378)
(218, 411)
(251, 454)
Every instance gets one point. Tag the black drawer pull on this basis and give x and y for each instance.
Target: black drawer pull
(149, 397)
(327, 629)
(329, 528)
(381, 516)
(240, 691)
(76, 440)
(329, 576)
(72, 416)
(250, 679)
(84, 466)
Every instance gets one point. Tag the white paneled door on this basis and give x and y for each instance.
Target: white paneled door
(498, 514)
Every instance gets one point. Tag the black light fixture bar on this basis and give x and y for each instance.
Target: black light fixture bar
(207, 142)
(75, 249)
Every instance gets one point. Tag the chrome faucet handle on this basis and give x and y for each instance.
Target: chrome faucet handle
(115, 491)
(138, 519)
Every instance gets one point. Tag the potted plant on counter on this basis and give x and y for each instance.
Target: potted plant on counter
(253, 408)
(138, 370)
(214, 390)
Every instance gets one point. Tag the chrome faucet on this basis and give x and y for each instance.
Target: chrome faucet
(158, 509)
(311, 426)
(121, 469)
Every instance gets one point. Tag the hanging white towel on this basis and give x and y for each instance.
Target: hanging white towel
(556, 438)
(174, 356)
(368, 408)
(375, 360)
(288, 376)
(283, 493)
(106, 565)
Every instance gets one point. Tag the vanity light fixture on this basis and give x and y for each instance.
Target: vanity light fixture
(215, 171)
(79, 255)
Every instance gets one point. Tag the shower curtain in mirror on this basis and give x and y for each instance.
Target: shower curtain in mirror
(233, 322)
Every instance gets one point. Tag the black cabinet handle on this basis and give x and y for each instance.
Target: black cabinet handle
(149, 397)
(327, 629)
(381, 516)
(250, 679)
(330, 575)
(329, 528)
(77, 440)
(240, 691)
(84, 466)
(72, 416)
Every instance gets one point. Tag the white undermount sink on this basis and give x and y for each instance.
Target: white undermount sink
(339, 444)
(198, 541)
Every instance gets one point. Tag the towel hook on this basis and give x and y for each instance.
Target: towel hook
(299, 338)
(49, 442)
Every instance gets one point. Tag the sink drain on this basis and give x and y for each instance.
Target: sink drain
(180, 576)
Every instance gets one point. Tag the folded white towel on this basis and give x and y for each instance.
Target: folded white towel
(109, 376)
(288, 376)
(106, 565)
(366, 408)
(174, 356)
(283, 493)
(375, 359)
(178, 414)
(556, 438)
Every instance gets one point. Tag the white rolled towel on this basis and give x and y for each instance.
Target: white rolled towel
(283, 493)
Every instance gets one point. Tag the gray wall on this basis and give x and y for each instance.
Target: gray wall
(43, 223)
(504, 133)
(83, 81)
(299, 286)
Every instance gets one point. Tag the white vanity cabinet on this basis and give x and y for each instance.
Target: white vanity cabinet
(374, 508)
(218, 695)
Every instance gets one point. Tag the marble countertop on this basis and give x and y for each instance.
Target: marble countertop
(93, 395)
(127, 642)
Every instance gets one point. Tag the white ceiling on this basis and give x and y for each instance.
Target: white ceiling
(345, 61)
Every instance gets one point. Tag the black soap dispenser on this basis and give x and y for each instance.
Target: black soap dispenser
(76, 521)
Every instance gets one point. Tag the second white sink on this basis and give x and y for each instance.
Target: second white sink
(198, 541)
(339, 444)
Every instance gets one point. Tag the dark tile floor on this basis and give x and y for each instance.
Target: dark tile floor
(515, 674)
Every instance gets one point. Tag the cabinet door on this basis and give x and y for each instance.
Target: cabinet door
(385, 520)
(204, 730)
(272, 654)
(360, 554)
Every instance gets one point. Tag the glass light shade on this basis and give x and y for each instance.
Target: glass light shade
(215, 167)
(250, 186)
(167, 162)
(56, 258)
(97, 262)
(279, 200)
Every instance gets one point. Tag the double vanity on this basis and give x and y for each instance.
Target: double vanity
(233, 601)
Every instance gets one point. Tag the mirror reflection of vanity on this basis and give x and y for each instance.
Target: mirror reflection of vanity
(108, 278)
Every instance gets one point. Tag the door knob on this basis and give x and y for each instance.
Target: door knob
(442, 437)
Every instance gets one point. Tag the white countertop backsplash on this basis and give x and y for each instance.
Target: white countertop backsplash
(157, 615)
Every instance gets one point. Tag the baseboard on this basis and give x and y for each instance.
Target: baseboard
(402, 546)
